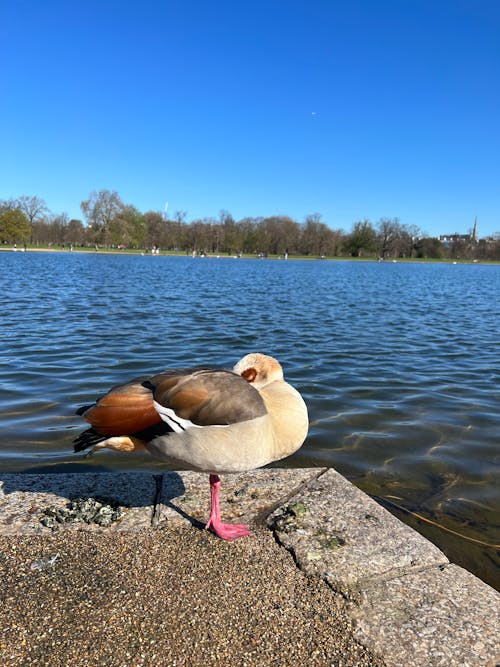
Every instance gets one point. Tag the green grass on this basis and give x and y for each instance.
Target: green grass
(134, 251)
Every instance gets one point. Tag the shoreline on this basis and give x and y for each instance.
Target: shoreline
(166, 253)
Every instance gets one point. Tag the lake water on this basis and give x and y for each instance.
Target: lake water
(398, 363)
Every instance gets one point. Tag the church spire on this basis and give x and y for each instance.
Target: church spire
(474, 231)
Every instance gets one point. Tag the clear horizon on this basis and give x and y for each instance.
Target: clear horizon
(371, 110)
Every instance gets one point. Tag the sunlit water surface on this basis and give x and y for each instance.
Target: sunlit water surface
(398, 364)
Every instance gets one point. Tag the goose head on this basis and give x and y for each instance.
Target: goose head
(259, 369)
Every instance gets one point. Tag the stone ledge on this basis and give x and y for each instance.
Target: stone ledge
(245, 498)
(339, 533)
(23, 499)
(439, 616)
(409, 604)
(181, 498)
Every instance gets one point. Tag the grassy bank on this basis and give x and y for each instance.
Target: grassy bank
(172, 253)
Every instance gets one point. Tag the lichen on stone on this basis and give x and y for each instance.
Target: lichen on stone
(98, 510)
(288, 520)
(333, 542)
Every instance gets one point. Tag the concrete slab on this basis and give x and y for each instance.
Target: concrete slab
(336, 531)
(182, 498)
(442, 616)
(407, 602)
(23, 499)
(245, 497)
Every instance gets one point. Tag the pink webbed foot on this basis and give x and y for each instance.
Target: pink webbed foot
(226, 531)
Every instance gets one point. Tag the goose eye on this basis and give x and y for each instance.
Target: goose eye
(249, 374)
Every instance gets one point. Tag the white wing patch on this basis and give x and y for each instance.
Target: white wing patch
(175, 422)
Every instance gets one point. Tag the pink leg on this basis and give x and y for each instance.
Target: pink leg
(226, 531)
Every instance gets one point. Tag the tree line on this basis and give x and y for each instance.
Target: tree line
(110, 223)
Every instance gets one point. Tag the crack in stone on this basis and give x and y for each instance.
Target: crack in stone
(261, 517)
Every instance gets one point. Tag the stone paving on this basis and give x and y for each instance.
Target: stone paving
(406, 603)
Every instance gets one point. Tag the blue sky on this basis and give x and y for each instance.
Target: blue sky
(354, 109)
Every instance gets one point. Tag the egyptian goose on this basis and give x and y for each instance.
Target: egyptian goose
(214, 421)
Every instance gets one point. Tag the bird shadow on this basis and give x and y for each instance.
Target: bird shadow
(37, 487)
(196, 523)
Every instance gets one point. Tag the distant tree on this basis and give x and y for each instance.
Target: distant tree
(100, 209)
(335, 242)
(175, 235)
(180, 216)
(198, 236)
(459, 249)
(389, 232)
(75, 232)
(111, 222)
(40, 232)
(396, 239)
(430, 248)
(489, 248)
(8, 205)
(281, 234)
(34, 208)
(14, 226)
(230, 239)
(128, 228)
(362, 240)
(262, 241)
(155, 228)
(57, 226)
(412, 234)
(248, 229)
(214, 234)
(316, 237)
(494, 246)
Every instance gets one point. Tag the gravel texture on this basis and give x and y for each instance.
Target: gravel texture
(167, 597)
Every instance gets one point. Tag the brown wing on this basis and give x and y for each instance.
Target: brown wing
(208, 398)
(128, 408)
(124, 410)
